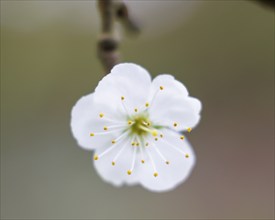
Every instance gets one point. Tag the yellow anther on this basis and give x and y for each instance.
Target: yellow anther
(156, 174)
(113, 163)
(147, 104)
(105, 128)
(154, 133)
(122, 98)
(101, 115)
(95, 157)
(129, 172)
(189, 129)
(167, 162)
(142, 161)
(156, 139)
(161, 87)
(113, 141)
(137, 144)
(161, 135)
(147, 144)
(133, 143)
(148, 124)
(175, 124)
(187, 155)
(182, 137)
(136, 110)
(130, 122)
(92, 134)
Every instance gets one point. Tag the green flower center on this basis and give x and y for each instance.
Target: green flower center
(141, 125)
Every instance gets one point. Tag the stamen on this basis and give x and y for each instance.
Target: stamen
(115, 126)
(102, 116)
(160, 154)
(105, 128)
(133, 162)
(145, 123)
(161, 135)
(186, 128)
(114, 144)
(121, 136)
(155, 95)
(176, 134)
(95, 157)
(152, 162)
(123, 105)
(121, 150)
(141, 150)
(105, 132)
(177, 149)
(142, 108)
(136, 141)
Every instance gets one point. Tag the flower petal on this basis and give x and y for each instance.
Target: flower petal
(125, 80)
(178, 170)
(177, 112)
(169, 84)
(85, 120)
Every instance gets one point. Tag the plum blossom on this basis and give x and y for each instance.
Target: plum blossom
(135, 126)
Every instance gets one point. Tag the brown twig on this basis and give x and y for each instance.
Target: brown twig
(107, 44)
(268, 3)
(123, 16)
(107, 48)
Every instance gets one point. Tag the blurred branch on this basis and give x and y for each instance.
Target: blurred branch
(270, 3)
(107, 44)
(107, 48)
(123, 15)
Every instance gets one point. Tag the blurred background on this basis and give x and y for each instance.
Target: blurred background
(223, 51)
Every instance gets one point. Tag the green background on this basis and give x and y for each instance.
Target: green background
(224, 54)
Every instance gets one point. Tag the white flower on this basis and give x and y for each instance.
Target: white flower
(133, 124)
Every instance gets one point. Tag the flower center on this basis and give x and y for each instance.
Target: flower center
(142, 125)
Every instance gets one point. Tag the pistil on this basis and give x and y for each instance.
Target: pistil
(149, 130)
